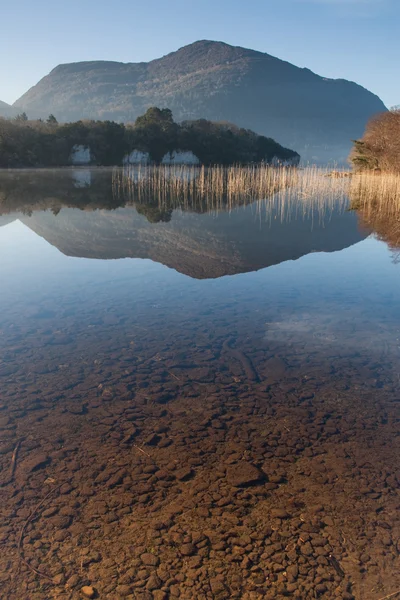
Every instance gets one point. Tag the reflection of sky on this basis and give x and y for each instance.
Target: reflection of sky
(320, 294)
(28, 262)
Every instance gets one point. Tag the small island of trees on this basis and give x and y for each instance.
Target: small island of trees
(27, 143)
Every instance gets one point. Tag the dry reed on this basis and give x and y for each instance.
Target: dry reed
(223, 187)
(273, 192)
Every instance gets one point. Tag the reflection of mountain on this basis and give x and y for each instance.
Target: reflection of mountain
(77, 212)
(6, 219)
(199, 245)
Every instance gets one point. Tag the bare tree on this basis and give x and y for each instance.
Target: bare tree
(380, 147)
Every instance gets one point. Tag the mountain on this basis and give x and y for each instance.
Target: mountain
(6, 110)
(301, 110)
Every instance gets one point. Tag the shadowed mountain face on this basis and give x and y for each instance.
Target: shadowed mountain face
(199, 242)
(316, 116)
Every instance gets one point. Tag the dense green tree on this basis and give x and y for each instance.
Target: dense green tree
(226, 144)
(108, 142)
(25, 143)
(156, 133)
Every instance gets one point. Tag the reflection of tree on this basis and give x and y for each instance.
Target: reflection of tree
(386, 226)
(154, 214)
(29, 191)
(396, 257)
(377, 203)
(54, 190)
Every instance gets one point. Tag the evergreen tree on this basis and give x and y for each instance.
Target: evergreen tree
(22, 117)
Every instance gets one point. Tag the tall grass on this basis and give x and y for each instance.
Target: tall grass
(274, 192)
(227, 187)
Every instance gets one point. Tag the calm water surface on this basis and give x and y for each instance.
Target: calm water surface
(208, 400)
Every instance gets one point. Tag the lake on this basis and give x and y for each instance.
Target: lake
(197, 400)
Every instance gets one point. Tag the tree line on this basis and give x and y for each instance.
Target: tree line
(379, 148)
(39, 143)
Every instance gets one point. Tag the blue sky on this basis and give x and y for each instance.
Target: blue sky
(353, 39)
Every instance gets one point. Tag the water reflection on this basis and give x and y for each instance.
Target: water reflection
(202, 240)
(377, 204)
(195, 436)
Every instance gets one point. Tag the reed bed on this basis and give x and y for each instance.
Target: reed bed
(215, 188)
(275, 192)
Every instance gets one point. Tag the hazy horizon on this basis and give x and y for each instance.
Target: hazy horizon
(347, 39)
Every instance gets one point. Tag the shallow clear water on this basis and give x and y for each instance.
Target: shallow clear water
(177, 360)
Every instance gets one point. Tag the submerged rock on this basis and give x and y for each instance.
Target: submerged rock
(244, 474)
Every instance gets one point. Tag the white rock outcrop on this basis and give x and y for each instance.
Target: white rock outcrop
(177, 157)
(136, 157)
(180, 158)
(80, 155)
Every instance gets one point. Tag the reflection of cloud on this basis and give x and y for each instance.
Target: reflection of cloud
(303, 327)
(325, 330)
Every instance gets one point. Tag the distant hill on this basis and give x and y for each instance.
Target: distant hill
(301, 110)
(6, 110)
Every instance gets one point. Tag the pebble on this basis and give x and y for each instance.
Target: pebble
(188, 549)
(217, 587)
(73, 581)
(184, 474)
(60, 522)
(279, 513)
(149, 559)
(154, 582)
(124, 590)
(88, 591)
(159, 595)
(306, 549)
